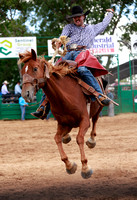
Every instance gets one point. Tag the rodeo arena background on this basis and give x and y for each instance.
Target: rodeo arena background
(30, 164)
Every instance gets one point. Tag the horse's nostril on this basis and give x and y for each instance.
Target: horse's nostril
(27, 93)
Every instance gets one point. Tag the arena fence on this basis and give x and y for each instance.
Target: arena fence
(127, 103)
(126, 97)
(11, 111)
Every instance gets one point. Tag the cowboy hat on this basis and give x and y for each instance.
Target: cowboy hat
(5, 82)
(77, 11)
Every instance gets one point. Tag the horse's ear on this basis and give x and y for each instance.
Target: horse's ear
(47, 72)
(21, 56)
(34, 56)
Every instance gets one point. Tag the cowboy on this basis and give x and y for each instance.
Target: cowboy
(81, 38)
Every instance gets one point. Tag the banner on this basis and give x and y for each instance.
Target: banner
(10, 47)
(50, 49)
(133, 44)
(105, 45)
(102, 45)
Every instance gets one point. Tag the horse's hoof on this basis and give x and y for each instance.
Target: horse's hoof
(87, 174)
(73, 169)
(91, 144)
(66, 140)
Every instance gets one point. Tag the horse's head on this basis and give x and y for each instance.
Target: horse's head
(34, 72)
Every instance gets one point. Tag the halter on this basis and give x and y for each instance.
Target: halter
(33, 81)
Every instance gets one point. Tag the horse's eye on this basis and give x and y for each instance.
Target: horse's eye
(35, 69)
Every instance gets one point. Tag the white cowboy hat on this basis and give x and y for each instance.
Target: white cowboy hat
(5, 82)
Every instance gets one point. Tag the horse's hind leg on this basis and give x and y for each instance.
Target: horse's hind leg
(62, 130)
(86, 171)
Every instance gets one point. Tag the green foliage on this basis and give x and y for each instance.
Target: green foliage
(13, 16)
(9, 71)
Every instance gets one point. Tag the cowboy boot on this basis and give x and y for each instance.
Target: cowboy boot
(103, 101)
(42, 110)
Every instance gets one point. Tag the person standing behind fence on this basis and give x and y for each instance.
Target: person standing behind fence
(23, 105)
(17, 88)
(111, 105)
(4, 89)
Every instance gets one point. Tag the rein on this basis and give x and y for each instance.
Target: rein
(34, 104)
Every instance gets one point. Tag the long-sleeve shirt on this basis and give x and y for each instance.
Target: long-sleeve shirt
(85, 35)
(4, 89)
(17, 89)
(22, 101)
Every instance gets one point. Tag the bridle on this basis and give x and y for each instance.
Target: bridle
(33, 81)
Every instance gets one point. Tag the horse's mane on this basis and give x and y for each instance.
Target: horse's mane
(62, 69)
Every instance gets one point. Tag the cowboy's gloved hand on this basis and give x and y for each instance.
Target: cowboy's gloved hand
(58, 45)
(110, 10)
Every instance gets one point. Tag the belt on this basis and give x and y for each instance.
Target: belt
(77, 48)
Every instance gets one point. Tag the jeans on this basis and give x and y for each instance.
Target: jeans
(84, 72)
(43, 97)
(88, 77)
(23, 109)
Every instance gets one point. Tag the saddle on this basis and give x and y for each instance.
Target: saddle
(87, 89)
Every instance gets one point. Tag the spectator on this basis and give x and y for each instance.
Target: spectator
(116, 82)
(17, 88)
(111, 105)
(4, 89)
(23, 105)
(135, 99)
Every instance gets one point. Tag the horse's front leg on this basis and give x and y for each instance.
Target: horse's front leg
(66, 139)
(70, 167)
(86, 171)
(91, 142)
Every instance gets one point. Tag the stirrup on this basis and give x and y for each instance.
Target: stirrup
(101, 99)
(40, 108)
(105, 97)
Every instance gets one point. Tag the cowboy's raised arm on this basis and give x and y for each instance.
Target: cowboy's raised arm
(100, 27)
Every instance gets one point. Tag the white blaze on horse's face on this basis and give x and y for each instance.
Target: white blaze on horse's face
(26, 69)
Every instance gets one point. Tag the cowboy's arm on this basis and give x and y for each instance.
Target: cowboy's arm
(66, 30)
(100, 27)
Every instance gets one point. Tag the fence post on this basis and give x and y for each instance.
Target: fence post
(0, 106)
(130, 71)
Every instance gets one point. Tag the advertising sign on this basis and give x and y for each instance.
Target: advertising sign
(133, 44)
(50, 49)
(104, 45)
(10, 47)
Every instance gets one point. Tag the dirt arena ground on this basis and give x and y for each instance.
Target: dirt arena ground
(31, 169)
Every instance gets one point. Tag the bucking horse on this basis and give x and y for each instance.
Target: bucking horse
(68, 103)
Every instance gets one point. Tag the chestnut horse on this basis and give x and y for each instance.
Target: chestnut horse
(68, 105)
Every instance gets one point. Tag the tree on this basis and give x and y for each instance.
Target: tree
(13, 16)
